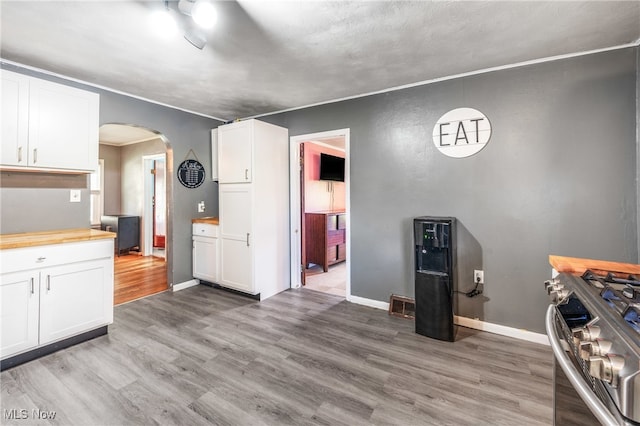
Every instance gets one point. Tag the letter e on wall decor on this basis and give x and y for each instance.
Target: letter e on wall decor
(461, 132)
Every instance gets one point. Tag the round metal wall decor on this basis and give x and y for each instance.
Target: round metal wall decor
(191, 173)
(461, 132)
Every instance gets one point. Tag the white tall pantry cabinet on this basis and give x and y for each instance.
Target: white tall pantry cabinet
(253, 167)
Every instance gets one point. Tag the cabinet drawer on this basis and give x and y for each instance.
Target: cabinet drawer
(335, 237)
(332, 222)
(23, 259)
(342, 221)
(332, 254)
(205, 230)
(342, 252)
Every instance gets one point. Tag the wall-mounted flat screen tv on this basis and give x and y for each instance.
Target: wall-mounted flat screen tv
(331, 167)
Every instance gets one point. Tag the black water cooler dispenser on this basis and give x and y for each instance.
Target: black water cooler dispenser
(435, 265)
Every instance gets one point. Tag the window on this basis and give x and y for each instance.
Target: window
(97, 194)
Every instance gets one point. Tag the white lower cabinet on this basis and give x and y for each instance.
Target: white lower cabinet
(205, 252)
(61, 290)
(59, 300)
(236, 234)
(19, 296)
(236, 268)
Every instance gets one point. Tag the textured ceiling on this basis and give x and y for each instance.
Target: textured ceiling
(266, 56)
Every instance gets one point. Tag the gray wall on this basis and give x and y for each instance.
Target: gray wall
(132, 176)
(536, 189)
(112, 178)
(184, 131)
(557, 177)
(41, 209)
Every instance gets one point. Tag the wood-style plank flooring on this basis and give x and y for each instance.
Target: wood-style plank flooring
(205, 356)
(138, 276)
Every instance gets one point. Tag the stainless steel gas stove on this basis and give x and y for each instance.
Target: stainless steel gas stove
(593, 325)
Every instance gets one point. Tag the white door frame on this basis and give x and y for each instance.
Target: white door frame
(294, 198)
(147, 208)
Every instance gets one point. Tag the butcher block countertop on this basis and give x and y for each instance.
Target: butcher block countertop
(32, 239)
(577, 266)
(209, 220)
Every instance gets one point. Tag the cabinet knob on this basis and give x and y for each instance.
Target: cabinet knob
(248, 240)
(246, 174)
(19, 154)
(35, 155)
(41, 259)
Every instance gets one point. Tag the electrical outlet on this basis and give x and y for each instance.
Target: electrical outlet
(74, 196)
(201, 207)
(478, 276)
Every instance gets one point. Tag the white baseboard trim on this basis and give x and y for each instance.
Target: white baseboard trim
(475, 324)
(186, 284)
(368, 302)
(502, 330)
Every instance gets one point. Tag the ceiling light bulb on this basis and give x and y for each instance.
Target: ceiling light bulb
(163, 23)
(204, 14)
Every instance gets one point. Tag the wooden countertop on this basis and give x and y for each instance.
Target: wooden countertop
(577, 266)
(32, 239)
(209, 220)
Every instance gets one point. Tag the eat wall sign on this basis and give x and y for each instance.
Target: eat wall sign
(461, 132)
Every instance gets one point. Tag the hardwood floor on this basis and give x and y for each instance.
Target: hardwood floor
(205, 356)
(138, 276)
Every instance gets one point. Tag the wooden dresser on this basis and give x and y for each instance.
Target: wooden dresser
(325, 238)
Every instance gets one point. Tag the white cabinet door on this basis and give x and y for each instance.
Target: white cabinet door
(235, 152)
(19, 300)
(236, 263)
(63, 127)
(214, 155)
(205, 258)
(15, 118)
(75, 298)
(236, 268)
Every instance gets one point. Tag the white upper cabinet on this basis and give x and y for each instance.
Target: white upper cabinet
(15, 118)
(235, 152)
(47, 125)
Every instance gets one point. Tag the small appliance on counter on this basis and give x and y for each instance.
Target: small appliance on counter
(435, 266)
(593, 325)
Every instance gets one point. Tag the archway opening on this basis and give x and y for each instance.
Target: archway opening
(137, 196)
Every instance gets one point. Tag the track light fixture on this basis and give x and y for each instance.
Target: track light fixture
(203, 16)
(163, 22)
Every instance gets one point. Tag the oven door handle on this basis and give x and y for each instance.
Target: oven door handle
(595, 405)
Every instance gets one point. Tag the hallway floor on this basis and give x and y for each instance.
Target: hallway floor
(332, 282)
(138, 276)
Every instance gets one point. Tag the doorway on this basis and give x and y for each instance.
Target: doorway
(320, 215)
(154, 215)
(131, 154)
